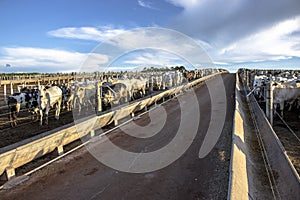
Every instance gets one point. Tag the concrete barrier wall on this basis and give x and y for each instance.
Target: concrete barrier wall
(238, 178)
(18, 154)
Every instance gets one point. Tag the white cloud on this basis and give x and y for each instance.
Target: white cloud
(155, 58)
(155, 37)
(273, 43)
(187, 4)
(47, 60)
(160, 39)
(86, 33)
(278, 42)
(146, 5)
(222, 23)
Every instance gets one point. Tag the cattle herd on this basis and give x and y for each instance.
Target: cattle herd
(86, 95)
(284, 84)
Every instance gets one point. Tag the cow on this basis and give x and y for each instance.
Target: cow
(135, 87)
(68, 96)
(115, 94)
(14, 105)
(168, 81)
(258, 83)
(157, 81)
(139, 87)
(177, 78)
(47, 99)
(189, 75)
(84, 95)
(18, 101)
(283, 93)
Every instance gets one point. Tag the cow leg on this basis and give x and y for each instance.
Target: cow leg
(74, 103)
(290, 105)
(57, 111)
(41, 117)
(69, 105)
(79, 108)
(46, 118)
(10, 119)
(281, 108)
(46, 114)
(32, 116)
(13, 119)
(36, 114)
(125, 98)
(144, 91)
(91, 104)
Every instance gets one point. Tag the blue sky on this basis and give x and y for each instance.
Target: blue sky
(57, 36)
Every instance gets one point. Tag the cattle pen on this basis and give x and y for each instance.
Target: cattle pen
(66, 131)
(10, 84)
(284, 119)
(260, 166)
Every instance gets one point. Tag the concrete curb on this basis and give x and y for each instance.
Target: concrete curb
(238, 178)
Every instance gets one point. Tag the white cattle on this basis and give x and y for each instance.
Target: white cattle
(84, 96)
(48, 98)
(258, 83)
(68, 96)
(283, 93)
(139, 87)
(135, 87)
(168, 80)
(177, 78)
(157, 81)
(115, 94)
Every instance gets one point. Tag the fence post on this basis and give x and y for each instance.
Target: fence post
(99, 91)
(10, 173)
(11, 88)
(60, 150)
(269, 102)
(92, 133)
(247, 78)
(4, 93)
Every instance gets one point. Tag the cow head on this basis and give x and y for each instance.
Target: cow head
(108, 97)
(41, 100)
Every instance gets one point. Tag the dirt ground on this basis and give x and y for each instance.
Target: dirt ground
(27, 128)
(289, 141)
(81, 176)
